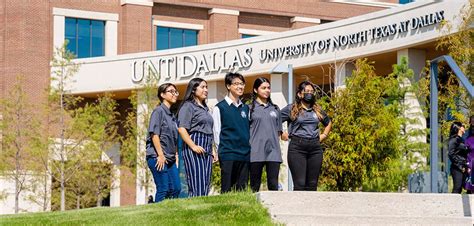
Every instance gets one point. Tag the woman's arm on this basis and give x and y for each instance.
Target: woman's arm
(187, 139)
(325, 134)
(161, 160)
(454, 154)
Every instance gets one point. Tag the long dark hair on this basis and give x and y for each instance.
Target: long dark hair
(454, 130)
(258, 82)
(191, 90)
(297, 107)
(162, 89)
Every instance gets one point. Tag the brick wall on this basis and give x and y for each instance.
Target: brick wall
(264, 22)
(26, 33)
(25, 46)
(322, 9)
(136, 24)
(184, 14)
(223, 27)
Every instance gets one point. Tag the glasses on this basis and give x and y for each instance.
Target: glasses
(238, 84)
(174, 92)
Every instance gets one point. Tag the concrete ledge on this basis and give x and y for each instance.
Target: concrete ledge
(303, 208)
(369, 220)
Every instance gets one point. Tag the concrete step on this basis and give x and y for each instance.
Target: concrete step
(368, 220)
(303, 208)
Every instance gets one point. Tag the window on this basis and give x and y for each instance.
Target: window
(405, 1)
(86, 37)
(169, 38)
(248, 36)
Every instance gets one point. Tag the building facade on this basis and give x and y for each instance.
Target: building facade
(118, 43)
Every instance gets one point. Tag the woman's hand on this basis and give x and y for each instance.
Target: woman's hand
(284, 136)
(322, 137)
(215, 157)
(160, 162)
(198, 149)
(177, 160)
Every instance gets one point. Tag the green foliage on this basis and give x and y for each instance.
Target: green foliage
(143, 101)
(19, 126)
(216, 177)
(452, 97)
(366, 149)
(19, 129)
(92, 127)
(85, 189)
(79, 133)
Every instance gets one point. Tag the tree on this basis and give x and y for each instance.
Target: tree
(102, 137)
(143, 101)
(366, 141)
(453, 100)
(63, 69)
(86, 129)
(19, 126)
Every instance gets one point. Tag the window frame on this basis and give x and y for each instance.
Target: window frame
(169, 30)
(90, 27)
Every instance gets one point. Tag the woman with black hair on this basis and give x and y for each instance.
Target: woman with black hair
(265, 129)
(161, 145)
(305, 153)
(457, 153)
(195, 128)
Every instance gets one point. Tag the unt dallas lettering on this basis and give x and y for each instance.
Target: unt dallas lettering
(187, 66)
(339, 41)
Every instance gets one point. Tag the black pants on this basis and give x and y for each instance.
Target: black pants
(458, 179)
(256, 168)
(305, 157)
(234, 175)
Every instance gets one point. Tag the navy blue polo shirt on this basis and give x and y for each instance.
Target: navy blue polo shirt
(265, 128)
(195, 118)
(163, 124)
(306, 124)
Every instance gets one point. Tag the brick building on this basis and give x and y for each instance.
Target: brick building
(116, 39)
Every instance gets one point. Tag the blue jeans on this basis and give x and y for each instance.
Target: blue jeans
(167, 180)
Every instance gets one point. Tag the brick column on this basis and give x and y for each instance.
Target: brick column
(137, 36)
(223, 25)
(301, 22)
(136, 25)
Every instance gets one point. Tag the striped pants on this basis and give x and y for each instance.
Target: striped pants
(198, 166)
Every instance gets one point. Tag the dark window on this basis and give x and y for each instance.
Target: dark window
(169, 38)
(248, 36)
(405, 1)
(86, 37)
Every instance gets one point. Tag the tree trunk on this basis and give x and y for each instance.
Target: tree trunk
(63, 192)
(99, 199)
(63, 189)
(17, 194)
(17, 181)
(78, 202)
(45, 192)
(97, 193)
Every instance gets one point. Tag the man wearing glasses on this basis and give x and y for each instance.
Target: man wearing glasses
(231, 135)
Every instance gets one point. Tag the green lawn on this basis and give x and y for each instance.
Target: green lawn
(232, 208)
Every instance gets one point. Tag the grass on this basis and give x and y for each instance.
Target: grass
(228, 209)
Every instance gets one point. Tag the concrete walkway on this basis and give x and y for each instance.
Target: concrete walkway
(363, 208)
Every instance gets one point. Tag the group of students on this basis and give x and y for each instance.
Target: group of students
(461, 155)
(246, 137)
